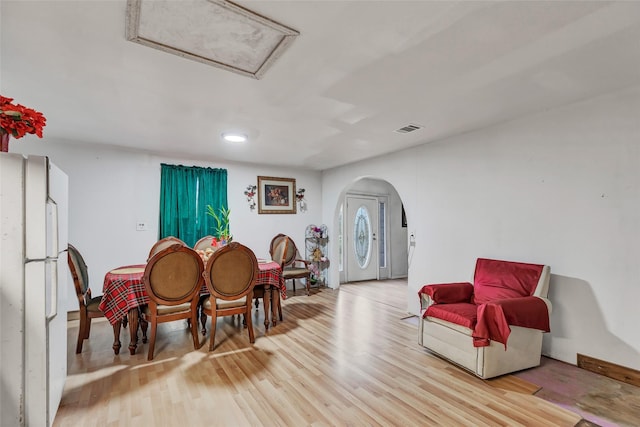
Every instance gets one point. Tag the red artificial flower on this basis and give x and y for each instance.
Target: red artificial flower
(18, 120)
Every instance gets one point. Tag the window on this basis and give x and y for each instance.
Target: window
(185, 193)
(382, 241)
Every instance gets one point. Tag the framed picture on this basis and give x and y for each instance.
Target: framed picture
(276, 195)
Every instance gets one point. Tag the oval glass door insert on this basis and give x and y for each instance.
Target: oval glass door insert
(362, 237)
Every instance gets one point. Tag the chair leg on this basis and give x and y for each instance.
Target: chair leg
(194, 331)
(308, 283)
(247, 316)
(87, 328)
(81, 334)
(152, 342)
(144, 325)
(279, 304)
(203, 321)
(214, 320)
(294, 286)
(198, 312)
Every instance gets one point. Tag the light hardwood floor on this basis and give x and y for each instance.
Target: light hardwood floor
(339, 358)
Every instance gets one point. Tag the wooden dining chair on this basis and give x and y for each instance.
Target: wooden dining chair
(172, 280)
(163, 244)
(88, 305)
(204, 248)
(284, 251)
(203, 244)
(230, 275)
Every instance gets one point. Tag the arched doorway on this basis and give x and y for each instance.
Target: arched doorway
(372, 232)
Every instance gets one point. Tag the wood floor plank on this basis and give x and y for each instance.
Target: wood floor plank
(512, 383)
(340, 357)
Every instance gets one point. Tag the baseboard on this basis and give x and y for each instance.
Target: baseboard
(73, 315)
(608, 369)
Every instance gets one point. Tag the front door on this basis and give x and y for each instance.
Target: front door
(361, 238)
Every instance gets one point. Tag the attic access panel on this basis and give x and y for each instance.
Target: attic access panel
(214, 32)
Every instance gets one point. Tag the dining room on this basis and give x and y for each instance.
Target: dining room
(121, 201)
(126, 289)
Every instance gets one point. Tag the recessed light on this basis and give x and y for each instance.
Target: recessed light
(236, 138)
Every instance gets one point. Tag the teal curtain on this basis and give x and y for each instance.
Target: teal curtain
(185, 192)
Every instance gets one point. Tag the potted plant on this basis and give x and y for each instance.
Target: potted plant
(17, 120)
(221, 216)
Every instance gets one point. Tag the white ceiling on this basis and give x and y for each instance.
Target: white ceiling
(358, 71)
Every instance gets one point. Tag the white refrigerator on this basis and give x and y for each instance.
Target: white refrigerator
(33, 289)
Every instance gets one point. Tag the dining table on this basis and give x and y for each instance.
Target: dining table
(123, 295)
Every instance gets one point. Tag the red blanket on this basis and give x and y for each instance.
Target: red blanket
(495, 317)
(448, 293)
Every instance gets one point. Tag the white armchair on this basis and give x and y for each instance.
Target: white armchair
(492, 327)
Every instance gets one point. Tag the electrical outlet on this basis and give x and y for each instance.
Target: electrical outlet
(141, 226)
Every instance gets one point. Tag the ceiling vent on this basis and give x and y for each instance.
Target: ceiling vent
(408, 128)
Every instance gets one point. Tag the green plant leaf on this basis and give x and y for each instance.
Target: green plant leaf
(222, 221)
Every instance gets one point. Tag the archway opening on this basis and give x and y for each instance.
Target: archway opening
(372, 232)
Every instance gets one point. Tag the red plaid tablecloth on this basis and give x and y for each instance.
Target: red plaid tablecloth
(123, 288)
(122, 292)
(270, 274)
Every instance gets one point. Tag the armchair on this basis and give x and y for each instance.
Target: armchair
(492, 327)
(284, 251)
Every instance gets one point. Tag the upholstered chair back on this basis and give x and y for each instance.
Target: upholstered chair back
(79, 270)
(283, 250)
(173, 275)
(164, 244)
(231, 272)
(203, 243)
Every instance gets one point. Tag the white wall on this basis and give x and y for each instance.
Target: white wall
(561, 188)
(110, 190)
